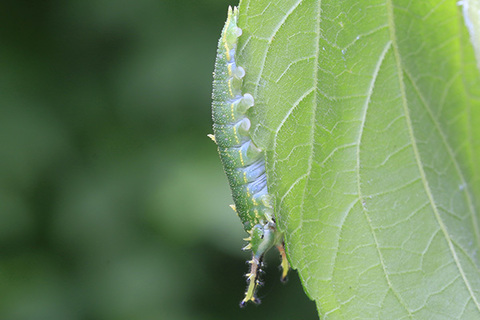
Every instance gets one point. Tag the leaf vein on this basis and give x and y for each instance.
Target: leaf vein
(419, 161)
(380, 61)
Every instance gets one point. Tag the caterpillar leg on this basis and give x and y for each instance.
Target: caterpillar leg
(285, 266)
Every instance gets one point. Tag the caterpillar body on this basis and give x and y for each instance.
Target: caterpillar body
(243, 161)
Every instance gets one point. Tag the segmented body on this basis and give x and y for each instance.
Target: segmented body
(243, 161)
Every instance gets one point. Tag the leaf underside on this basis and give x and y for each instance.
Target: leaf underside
(367, 110)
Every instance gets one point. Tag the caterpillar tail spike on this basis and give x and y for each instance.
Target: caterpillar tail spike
(284, 265)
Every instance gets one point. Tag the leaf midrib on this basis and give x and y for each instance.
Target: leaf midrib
(451, 155)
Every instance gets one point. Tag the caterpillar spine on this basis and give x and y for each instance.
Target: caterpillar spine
(243, 161)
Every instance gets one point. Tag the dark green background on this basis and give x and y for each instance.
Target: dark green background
(113, 202)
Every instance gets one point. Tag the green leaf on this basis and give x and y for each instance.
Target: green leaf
(368, 111)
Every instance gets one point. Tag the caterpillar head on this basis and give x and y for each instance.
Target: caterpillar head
(232, 31)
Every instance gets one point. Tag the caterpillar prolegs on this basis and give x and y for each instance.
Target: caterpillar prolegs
(243, 161)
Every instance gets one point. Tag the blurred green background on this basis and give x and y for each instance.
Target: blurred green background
(113, 202)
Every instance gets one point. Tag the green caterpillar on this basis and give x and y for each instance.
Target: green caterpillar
(243, 161)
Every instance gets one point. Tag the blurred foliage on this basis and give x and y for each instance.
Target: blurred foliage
(113, 203)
